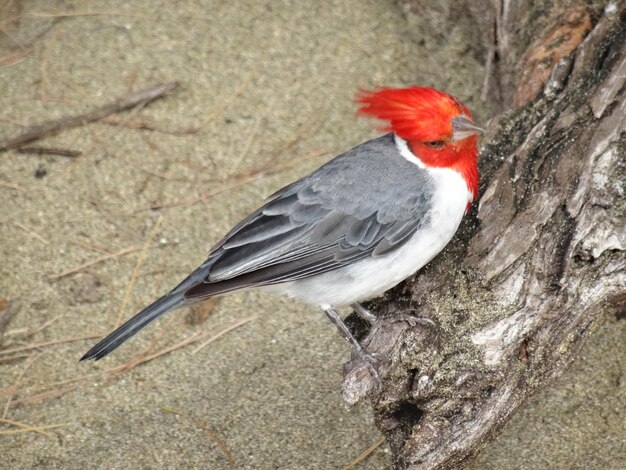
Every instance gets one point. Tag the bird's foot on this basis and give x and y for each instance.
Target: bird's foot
(372, 363)
(361, 376)
(366, 374)
(364, 367)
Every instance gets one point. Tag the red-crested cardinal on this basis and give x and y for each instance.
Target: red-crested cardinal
(353, 228)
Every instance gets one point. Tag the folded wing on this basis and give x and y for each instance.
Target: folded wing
(358, 205)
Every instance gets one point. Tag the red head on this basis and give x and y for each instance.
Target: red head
(438, 128)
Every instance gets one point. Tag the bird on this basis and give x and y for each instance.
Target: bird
(355, 227)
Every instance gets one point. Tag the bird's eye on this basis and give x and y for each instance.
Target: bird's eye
(435, 144)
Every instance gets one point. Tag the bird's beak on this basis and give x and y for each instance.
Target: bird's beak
(463, 127)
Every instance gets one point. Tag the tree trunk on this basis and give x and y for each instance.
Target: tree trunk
(534, 271)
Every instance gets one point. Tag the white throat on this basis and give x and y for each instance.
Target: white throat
(406, 153)
(438, 173)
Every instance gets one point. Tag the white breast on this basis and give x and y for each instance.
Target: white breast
(373, 276)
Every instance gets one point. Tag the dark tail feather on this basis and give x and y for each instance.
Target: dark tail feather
(192, 289)
(131, 327)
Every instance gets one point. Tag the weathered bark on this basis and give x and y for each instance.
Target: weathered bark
(508, 306)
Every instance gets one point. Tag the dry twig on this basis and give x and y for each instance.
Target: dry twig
(43, 67)
(238, 91)
(18, 382)
(138, 98)
(45, 396)
(144, 125)
(11, 185)
(92, 246)
(7, 312)
(59, 388)
(24, 333)
(241, 179)
(15, 57)
(31, 232)
(35, 388)
(247, 145)
(50, 151)
(16, 357)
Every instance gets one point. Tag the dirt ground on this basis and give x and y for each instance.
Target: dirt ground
(266, 95)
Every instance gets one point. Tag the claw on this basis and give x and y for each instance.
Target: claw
(361, 377)
(362, 374)
(372, 363)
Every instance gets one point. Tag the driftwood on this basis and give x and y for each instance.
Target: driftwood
(530, 276)
(138, 98)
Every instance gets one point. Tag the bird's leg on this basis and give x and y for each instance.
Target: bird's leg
(369, 359)
(334, 317)
(364, 313)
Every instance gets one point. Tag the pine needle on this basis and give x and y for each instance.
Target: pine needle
(365, 454)
(137, 268)
(31, 232)
(27, 428)
(27, 347)
(222, 332)
(66, 14)
(100, 259)
(205, 427)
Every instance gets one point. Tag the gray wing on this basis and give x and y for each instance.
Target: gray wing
(364, 203)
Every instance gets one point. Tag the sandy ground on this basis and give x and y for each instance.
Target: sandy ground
(263, 83)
